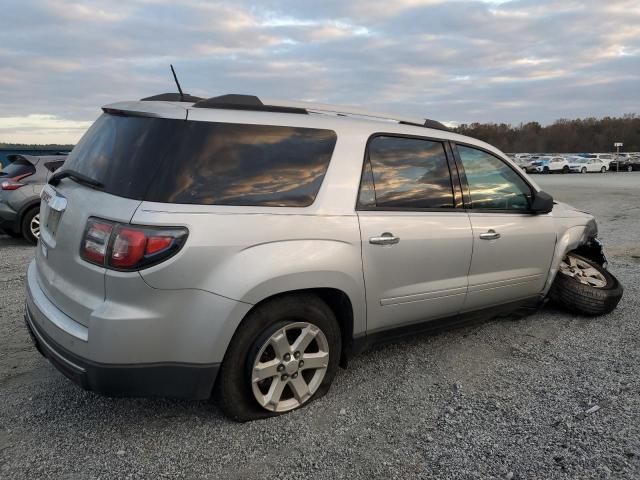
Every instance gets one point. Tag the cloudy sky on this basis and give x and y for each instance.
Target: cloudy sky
(455, 61)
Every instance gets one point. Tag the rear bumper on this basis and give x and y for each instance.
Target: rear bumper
(139, 380)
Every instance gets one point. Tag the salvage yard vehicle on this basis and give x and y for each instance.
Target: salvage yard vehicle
(579, 164)
(20, 185)
(550, 164)
(257, 245)
(607, 158)
(628, 163)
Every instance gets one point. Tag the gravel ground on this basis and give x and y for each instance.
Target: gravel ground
(553, 395)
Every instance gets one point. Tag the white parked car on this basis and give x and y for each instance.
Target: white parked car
(551, 164)
(585, 165)
(606, 158)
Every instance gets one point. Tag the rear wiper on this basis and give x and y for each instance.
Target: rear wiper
(77, 176)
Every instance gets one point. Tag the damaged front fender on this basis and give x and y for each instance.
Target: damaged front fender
(583, 240)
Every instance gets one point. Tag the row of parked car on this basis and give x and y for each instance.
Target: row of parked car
(577, 163)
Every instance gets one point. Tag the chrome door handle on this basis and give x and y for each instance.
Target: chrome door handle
(490, 235)
(385, 239)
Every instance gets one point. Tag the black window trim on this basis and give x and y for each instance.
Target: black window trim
(455, 179)
(465, 184)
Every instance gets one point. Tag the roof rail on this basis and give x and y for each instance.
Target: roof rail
(358, 112)
(251, 102)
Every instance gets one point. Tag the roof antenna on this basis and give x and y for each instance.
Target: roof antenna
(175, 77)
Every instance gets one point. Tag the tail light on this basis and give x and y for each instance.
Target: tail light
(14, 183)
(11, 185)
(129, 247)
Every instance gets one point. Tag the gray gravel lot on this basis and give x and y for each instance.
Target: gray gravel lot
(504, 399)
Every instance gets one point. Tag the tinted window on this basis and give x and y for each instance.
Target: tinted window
(178, 161)
(123, 153)
(407, 173)
(18, 168)
(367, 197)
(231, 164)
(53, 166)
(492, 183)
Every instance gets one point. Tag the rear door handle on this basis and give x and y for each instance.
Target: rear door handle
(385, 239)
(490, 235)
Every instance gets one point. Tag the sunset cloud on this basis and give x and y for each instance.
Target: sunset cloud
(458, 61)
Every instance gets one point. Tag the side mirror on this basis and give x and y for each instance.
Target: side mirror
(542, 202)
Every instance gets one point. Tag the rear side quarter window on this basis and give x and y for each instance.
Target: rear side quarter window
(237, 164)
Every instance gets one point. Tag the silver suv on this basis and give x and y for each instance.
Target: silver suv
(247, 248)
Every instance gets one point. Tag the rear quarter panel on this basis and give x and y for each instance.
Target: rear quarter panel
(251, 256)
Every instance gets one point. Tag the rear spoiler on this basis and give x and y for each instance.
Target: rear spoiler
(17, 156)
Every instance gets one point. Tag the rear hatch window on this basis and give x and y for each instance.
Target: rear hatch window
(19, 168)
(178, 161)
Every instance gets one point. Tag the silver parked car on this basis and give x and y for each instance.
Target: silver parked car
(258, 245)
(20, 185)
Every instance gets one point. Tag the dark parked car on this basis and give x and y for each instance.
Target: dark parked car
(20, 185)
(628, 164)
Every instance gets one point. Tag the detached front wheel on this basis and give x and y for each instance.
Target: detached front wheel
(582, 286)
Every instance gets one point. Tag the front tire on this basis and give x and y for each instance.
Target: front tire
(584, 170)
(284, 355)
(582, 286)
(565, 169)
(603, 169)
(30, 226)
(629, 168)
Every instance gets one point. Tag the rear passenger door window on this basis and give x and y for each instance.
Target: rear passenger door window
(405, 173)
(493, 185)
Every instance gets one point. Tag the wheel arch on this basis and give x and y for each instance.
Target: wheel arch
(336, 299)
(27, 208)
(579, 238)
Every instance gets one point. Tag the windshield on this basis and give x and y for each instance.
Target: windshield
(178, 161)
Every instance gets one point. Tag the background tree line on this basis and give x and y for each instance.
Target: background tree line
(25, 146)
(562, 136)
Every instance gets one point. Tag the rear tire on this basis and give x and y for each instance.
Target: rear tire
(30, 225)
(629, 168)
(603, 169)
(237, 392)
(565, 169)
(577, 297)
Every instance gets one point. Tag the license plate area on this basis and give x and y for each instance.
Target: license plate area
(52, 209)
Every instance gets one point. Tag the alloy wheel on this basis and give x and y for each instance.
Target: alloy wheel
(290, 366)
(34, 226)
(582, 272)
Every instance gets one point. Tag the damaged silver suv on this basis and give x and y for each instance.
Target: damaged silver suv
(246, 248)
